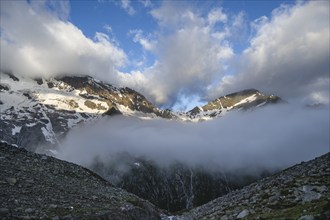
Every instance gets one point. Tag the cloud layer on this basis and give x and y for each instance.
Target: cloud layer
(190, 53)
(288, 52)
(272, 137)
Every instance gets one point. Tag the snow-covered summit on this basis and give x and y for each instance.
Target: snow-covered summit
(42, 111)
(246, 99)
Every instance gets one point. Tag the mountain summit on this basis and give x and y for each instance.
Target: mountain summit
(49, 108)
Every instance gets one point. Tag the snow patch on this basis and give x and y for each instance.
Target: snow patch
(247, 100)
(16, 130)
(48, 135)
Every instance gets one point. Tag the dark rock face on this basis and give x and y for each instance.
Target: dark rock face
(50, 85)
(112, 111)
(299, 191)
(36, 126)
(12, 76)
(39, 81)
(175, 187)
(35, 186)
(31, 136)
(4, 87)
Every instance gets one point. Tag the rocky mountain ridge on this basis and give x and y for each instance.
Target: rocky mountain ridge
(246, 99)
(49, 108)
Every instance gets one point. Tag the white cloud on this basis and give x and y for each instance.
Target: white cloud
(189, 57)
(35, 41)
(145, 42)
(60, 9)
(288, 53)
(216, 15)
(126, 5)
(146, 3)
(288, 56)
(108, 28)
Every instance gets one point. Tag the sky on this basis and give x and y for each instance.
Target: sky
(177, 53)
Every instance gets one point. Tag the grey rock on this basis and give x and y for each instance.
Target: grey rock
(29, 210)
(309, 193)
(25, 217)
(243, 214)
(52, 206)
(321, 189)
(4, 211)
(67, 217)
(225, 217)
(11, 180)
(30, 181)
(306, 217)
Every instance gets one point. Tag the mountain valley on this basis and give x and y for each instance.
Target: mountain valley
(37, 115)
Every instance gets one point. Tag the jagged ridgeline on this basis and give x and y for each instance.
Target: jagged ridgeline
(40, 112)
(37, 112)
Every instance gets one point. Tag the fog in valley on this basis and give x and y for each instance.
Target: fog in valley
(272, 137)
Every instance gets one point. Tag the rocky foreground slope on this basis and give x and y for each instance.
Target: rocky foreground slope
(37, 186)
(300, 192)
(34, 186)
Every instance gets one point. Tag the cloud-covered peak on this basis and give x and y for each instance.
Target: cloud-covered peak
(189, 52)
(189, 55)
(289, 54)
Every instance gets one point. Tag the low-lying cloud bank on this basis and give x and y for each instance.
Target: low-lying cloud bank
(271, 137)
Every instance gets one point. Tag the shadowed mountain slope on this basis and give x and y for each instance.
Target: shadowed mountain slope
(35, 186)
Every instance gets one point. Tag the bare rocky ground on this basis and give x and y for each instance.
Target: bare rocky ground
(34, 186)
(300, 192)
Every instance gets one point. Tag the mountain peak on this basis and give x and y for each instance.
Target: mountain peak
(51, 107)
(245, 99)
